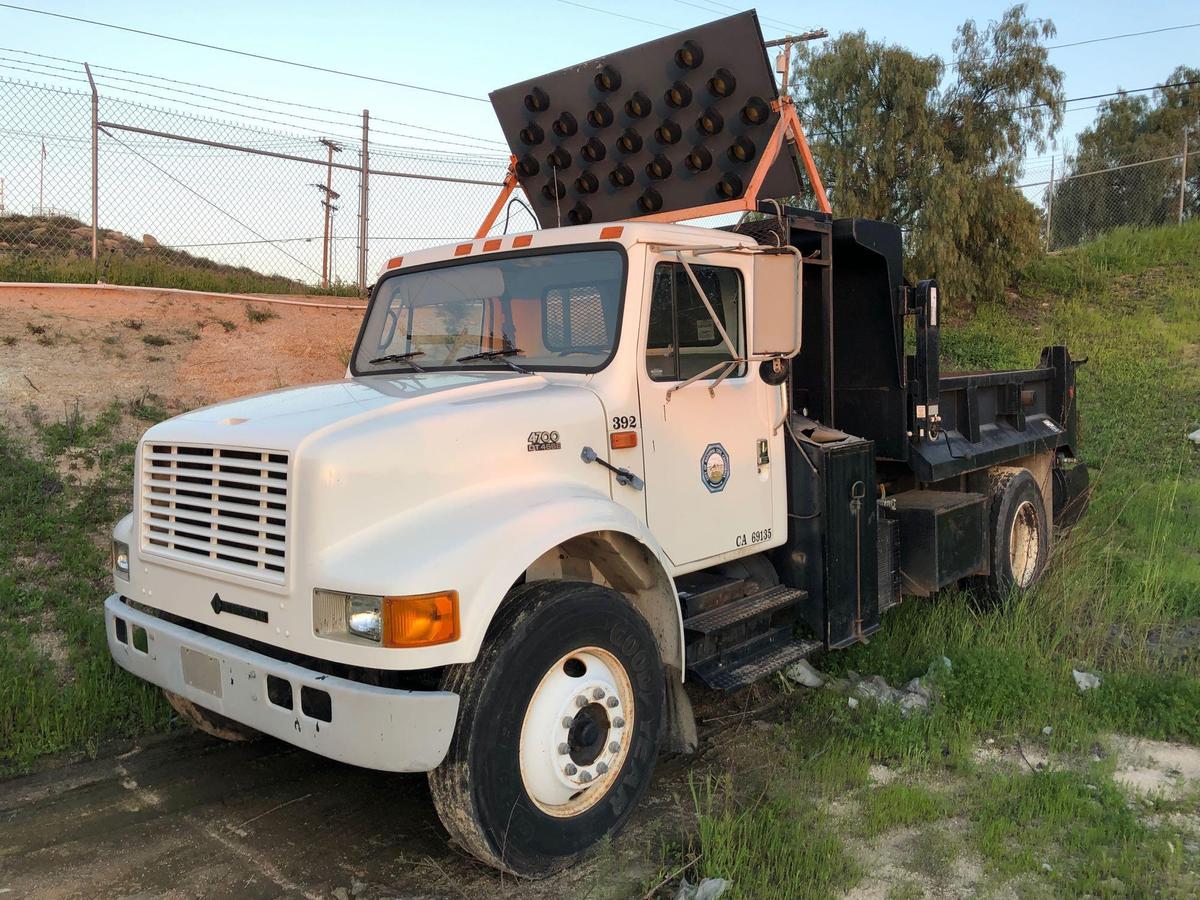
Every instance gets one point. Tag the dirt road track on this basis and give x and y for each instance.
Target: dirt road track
(192, 817)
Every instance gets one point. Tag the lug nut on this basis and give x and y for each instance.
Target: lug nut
(618, 722)
(598, 694)
(564, 749)
(614, 747)
(569, 769)
(585, 776)
(567, 721)
(601, 768)
(581, 701)
(612, 702)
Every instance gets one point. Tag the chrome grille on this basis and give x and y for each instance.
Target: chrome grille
(222, 507)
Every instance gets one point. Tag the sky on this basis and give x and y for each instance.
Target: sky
(474, 47)
(462, 47)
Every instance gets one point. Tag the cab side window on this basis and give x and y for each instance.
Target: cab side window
(683, 340)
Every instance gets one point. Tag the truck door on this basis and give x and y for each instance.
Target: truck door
(708, 446)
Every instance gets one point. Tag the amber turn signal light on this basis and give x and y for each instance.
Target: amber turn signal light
(421, 620)
(622, 440)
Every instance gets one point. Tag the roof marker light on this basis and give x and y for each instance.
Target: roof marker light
(689, 55)
(522, 240)
(611, 232)
(493, 244)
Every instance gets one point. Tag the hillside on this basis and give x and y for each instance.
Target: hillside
(59, 249)
(1015, 784)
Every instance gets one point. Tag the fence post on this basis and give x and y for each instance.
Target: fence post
(1183, 175)
(362, 206)
(95, 173)
(1050, 207)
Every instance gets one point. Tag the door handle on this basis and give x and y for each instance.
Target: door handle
(624, 476)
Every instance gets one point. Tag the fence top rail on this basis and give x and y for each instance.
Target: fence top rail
(293, 157)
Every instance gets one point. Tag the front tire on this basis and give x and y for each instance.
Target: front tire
(558, 727)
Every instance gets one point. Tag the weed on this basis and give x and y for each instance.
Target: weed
(259, 314)
(35, 329)
(133, 324)
(893, 805)
(9, 340)
(111, 340)
(148, 407)
(156, 340)
(227, 325)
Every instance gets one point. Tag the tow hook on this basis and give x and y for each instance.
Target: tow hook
(624, 476)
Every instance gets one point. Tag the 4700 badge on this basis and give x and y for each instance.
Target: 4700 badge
(543, 440)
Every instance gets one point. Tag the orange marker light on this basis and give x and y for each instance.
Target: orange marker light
(523, 240)
(493, 244)
(395, 262)
(611, 233)
(462, 249)
(622, 440)
(421, 620)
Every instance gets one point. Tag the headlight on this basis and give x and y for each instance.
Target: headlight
(120, 559)
(408, 621)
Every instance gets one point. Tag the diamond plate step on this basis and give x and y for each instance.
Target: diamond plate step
(759, 665)
(740, 610)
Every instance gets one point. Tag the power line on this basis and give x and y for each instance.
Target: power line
(609, 12)
(209, 87)
(246, 53)
(778, 24)
(1114, 37)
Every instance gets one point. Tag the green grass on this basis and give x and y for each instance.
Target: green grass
(59, 690)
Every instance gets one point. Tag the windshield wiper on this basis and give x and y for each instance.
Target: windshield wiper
(498, 356)
(400, 357)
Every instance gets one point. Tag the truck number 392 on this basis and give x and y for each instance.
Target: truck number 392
(620, 423)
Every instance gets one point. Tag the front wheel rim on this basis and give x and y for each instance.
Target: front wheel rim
(576, 732)
(1024, 544)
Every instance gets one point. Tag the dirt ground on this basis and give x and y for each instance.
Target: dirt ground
(67, 347)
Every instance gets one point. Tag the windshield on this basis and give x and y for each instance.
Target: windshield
(553, 310)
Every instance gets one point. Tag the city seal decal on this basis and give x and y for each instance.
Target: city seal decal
(714, 468)
(543, 440)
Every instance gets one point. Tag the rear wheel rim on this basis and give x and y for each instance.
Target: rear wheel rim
(576, 732)
(1024, 544)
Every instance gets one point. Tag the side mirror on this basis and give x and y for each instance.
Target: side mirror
(775, 330)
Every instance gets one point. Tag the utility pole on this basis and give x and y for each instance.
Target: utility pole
(327, 202)
(362, 206)
(1183, 176)
(783, 62)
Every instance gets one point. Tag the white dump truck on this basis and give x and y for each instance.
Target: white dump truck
(570, 469)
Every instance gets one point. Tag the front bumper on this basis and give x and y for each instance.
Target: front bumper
(373, 727)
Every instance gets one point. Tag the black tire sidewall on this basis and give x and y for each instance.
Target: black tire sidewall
(571, 617)
(1021, 487)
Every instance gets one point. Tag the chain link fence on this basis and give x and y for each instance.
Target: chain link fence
(1080, 200)
(188, 200)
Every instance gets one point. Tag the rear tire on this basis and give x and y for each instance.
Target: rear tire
(534, 778)
(1020, 537)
